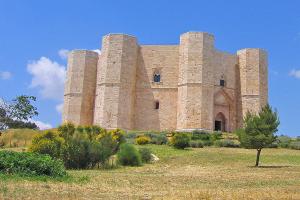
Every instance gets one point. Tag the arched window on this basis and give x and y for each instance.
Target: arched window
(156, 77)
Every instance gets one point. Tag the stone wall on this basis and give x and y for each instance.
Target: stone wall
(253, 80)
(115, 93)
(162, 59)
(196, 81)
(116, 89)
(80, 87)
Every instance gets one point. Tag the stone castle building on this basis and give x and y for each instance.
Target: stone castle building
(164, 87)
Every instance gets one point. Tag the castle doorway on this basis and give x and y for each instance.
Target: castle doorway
(220, 122)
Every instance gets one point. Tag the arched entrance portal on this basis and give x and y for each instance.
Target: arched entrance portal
(220, 122)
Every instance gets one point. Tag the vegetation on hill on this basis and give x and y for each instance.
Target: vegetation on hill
(25, 163)
(17, 137)
(200, 173)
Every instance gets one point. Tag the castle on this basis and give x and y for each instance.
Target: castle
(164, 87)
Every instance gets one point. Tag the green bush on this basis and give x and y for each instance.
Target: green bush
(217, 135)
(66, 130)
(207, 142)
(200, 135)
(128, 155)
(284, 141)
(196, 144)
(159, 139)
(76, 152)
(81, 147)
(49, 143)
(27, 163)
(81, 153)
(180, 140)
(118, 136)
(273, 145)
(141, 140)
(227, 143)
(295, 145)
(145, 155)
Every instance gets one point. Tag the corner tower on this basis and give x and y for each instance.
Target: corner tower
(80, 87)
(195, 81)
(116, 77)
(253, 76)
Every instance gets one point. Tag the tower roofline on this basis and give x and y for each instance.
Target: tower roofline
(202, 32)
(84, 51)
(247, 49)
(123, 34)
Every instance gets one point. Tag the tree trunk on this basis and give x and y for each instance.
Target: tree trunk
(257, 157)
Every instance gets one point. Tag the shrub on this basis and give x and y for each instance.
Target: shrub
(28, 163)
(145, 155)
(79, 148)
(284, 141)
(180, 140)
(200, 135)
(227, 143)
(118, 136)
(217, 135)
(207, 142)
(295, 145)
(159, 139)
(103, 149)
(81, 153)
(49, 143)
(196, 144)
(273, 145)
(141, 140)
(91, 131)
(76, 152)
(129, 155)
(66, 130)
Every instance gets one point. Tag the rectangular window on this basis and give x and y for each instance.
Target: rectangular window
(156, 105)
(222, 83)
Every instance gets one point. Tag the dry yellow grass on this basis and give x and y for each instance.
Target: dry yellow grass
(208, 173)
(17, 137)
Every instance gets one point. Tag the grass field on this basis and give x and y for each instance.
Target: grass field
(207, 173)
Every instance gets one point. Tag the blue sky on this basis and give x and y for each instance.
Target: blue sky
(34, 35)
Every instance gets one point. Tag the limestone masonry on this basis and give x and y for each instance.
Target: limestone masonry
(164, 87)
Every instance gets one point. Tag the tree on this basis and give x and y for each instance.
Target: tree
(21, 108)
(259, 130)
(18, 113)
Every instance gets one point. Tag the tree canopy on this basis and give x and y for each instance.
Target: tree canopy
(17, 114)
(259, 130)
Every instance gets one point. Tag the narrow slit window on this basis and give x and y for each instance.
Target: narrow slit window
(157, 105)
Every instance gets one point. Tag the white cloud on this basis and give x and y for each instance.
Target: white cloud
(63, 53)
(48, 76)
(5, 75)
(59, 108)
(41, 125)
(97, 51)
(295, 73)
